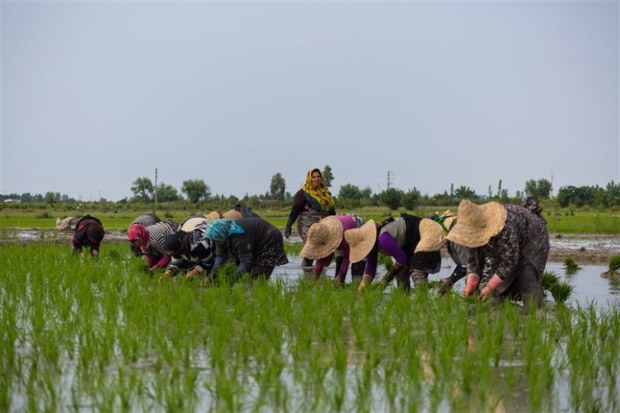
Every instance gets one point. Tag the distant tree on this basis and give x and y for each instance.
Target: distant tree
(391, 197)
(411, 198)
(540, 189)
(366, 193)
(52, 197)
(195, 190)
(612, 196)
(578, 196)
(277, 187)
(142, 189)
(167, 193)
(452, 189)
(499, 189)
(464, 192)
(490, 192)
(328, 176)
(349, 191)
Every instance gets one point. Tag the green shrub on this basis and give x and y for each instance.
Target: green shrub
(571, 265)
(614, 263)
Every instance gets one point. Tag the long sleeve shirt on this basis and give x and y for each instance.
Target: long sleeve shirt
(347, 224)
(523, 240)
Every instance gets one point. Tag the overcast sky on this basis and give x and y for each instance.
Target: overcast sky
(98, 94)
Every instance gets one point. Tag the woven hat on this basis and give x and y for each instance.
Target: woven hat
(232, 214)
(477, 223)
(191, 223)
(323, 238)
(361, 240)
(213, 215)
(432, 236)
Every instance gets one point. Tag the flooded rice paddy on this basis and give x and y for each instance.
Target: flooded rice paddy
(87, 336)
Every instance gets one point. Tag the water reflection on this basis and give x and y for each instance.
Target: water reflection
(590, 287)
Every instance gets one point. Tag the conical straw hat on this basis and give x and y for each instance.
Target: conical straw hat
(232, 214)
(361, 240)
(431, 236)
(477, 224)
(323, 238)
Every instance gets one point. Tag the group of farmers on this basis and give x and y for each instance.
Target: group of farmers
(501, 249)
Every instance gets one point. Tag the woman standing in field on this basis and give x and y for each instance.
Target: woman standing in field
(254, 243)
(397, 238)
(311, 203)
(150, 240)
(516, 243)
(89, 233)
(326, 239)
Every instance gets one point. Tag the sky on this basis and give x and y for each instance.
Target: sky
(424, 95)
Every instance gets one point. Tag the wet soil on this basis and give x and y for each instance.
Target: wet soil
(584, 248)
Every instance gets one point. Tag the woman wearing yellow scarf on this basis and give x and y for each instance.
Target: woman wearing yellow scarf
(311, 203)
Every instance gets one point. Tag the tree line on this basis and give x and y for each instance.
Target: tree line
(197, 191)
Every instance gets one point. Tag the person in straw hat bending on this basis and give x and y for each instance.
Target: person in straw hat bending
(513, 239)
(325, 238)
(397, 238)
(458, 253)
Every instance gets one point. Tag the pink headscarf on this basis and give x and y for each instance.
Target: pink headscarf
(137, 231)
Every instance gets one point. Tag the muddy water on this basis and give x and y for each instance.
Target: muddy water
(589, 286)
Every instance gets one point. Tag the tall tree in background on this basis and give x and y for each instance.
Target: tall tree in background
(277, 187)
(465, 192)
(350, 191)
(195, 190)
(540, 189)
(328, 176)
(167, 193)
(411, 198)
(142, 189)
(392, 198)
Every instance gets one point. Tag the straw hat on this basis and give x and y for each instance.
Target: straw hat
(213, 215)
(323, 238)
(361, 240)
(431, 236)
(193, 222)
(477, 223)
(232, 214)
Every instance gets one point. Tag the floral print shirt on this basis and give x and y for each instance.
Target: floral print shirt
(523, 240)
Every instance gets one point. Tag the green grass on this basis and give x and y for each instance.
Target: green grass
(104, 335)
(563, 221)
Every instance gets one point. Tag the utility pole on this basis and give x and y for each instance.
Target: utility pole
(390, 175)
(155, 190)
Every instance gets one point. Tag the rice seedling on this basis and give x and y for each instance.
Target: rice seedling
(571, 265)
(104, 335)
(560, 290)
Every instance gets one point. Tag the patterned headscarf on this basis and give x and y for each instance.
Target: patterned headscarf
(221, 229)
(320, 194)
(137, 231)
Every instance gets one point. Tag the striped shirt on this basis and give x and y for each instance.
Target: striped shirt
(157, 237)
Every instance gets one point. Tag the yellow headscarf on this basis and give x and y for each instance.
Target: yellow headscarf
(320, 194)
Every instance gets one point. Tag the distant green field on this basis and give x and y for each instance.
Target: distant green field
(572, 222)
